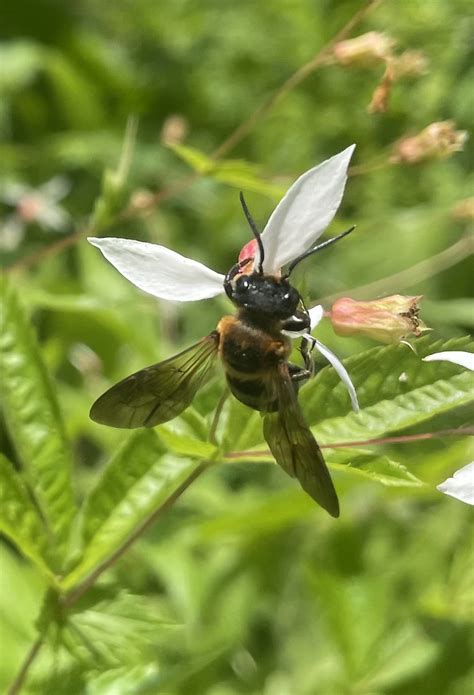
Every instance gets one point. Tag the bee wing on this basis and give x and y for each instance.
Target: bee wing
(158, 393)
(294, 447)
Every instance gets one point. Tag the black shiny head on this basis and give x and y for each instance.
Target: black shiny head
(266, 295)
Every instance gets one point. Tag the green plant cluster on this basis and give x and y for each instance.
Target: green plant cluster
(237, 583)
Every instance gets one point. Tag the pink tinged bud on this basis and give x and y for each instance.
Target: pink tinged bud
(381, 95)
(410, 64)
(364, 50)
(174, 130)
(436, 141)
(464, 209)
(388, 320)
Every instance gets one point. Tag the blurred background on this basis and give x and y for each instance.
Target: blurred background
(271, 595)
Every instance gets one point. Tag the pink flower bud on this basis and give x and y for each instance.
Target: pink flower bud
(410, 64)
(174, 130)
(436, 141)
(388, 320)
(464, 209)
(364, 50)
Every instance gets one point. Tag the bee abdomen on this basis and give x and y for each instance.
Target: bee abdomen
(253, 393)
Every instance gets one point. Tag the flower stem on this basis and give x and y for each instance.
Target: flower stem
(410, 276)
(401, 439)
(217, 415)
(293, 81)
(20, 678)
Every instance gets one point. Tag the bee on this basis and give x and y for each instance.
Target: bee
(254, 349)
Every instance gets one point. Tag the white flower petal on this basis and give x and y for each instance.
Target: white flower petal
(160, 271)
(461, 485)
(305, 211)
(56, 188)
(53, 217)
(11, 193)
(316, 313)
(463, 359)
(341, 370)
(12, 232)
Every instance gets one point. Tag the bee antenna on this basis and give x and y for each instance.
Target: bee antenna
(255, 232)
(317, 248)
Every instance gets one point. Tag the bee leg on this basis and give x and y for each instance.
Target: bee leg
(306, 348)
(298, 375)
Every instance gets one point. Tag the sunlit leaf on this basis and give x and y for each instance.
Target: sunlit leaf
(237, 173)
(34, 421)
(373, 467)
(395, 390)
(137, 480)
(19, 519)
(97, 632)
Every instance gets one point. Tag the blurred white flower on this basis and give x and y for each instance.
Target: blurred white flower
(38, 205)
(463, 359)
(297, 222)
(461, 485)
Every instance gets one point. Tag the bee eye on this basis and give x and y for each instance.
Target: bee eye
(286, 295)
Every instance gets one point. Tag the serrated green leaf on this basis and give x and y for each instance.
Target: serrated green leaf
(97, 633)
(237, 173)
(19, 519)
(196, 159)
(379, 374)
(408, 651)
(137, 480)
(184, 445)
(127, 680)
(396, 390)
(404, 411)
(35, 425)
(374, 467)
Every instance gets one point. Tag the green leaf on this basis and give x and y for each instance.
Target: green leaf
(396, 390)
(184, 445)
(19, 519)
(35, 425)
(97, 633)
(137, 480)
(373, 467)
(197, 160)
(237, 173)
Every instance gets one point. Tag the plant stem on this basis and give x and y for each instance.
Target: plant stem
(18, 683)
(410, 276)
(217, 415)
(89, 581)
(401, 439)
(293, 81)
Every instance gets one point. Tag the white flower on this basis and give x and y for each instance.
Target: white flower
(463, 359)
(461, 485)
(39, 205)
(297, 222)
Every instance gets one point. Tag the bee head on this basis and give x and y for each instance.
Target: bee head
(264, 294)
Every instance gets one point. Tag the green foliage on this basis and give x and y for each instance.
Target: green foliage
(243, 586)
(134, 484)
(35, 425)
(19, 519)
(236, 173)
